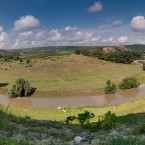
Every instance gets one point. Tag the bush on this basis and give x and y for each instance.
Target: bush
(85, 117)
(124, 141)
(20, 88)
(82, 118)
(109, 120)
(143, 66)
(110, 87)
(128, 83)
(140, 129)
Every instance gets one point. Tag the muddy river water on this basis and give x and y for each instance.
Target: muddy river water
(88, 101)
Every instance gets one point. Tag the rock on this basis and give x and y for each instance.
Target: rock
(77, 140)
(87, 137)
(113, 133)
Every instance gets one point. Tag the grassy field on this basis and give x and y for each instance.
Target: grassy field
(66, 74)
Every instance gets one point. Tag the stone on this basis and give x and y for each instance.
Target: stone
(77, 140)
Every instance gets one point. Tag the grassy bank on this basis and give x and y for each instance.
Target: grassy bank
(135, 107)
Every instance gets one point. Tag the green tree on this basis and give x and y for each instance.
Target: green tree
(110, 87)
(128, 83)
(20, 88)
(143, 67)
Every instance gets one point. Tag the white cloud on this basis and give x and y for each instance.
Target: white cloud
(3, 37)
(138, 24)
(1, 28)
(117, 22)
(116, 40)
(69, 28)
(26, 22)
(122, 39)
(26, 33)
(114, 23)
(97, 6)
(105, 26)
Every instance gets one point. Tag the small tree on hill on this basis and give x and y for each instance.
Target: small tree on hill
(110, 87)
(128, 83)
(143, 66)
(20, 88)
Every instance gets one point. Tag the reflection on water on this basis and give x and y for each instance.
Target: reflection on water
(90, 101)
(21, 102)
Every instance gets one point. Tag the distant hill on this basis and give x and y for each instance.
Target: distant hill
(4, 53)
(44, 49)
(136, 47)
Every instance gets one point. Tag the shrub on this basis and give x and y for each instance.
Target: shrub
(109, 120)
(28, 61)
(20, 88)
(110, 87)
(82, 118)
(85, 117)
(124, 141)
(140, 129)
(143, 66)
(70, 119)
(128, 83)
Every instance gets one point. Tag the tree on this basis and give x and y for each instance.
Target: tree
(110, 87)
(20, 88)
(143, 66)
(128, 83)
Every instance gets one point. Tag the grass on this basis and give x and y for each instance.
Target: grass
(67, 74)
(123, 141)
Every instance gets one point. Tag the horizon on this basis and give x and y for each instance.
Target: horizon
(71, 23)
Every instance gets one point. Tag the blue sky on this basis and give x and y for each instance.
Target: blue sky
(30, 23)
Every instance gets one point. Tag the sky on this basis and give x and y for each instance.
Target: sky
(38, 23)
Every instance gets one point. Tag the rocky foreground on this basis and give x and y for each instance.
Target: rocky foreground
(34, 132)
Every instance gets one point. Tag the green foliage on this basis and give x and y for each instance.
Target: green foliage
(125, 57)
(110, 87)
(10, 141)
(109, 121)
(20, 88)
(11, 58)
(128, 83)
(140, 129)
(124, 141)
(70, 119)
(93, 52)
(84, 118)
(143, 66)
(28, 61)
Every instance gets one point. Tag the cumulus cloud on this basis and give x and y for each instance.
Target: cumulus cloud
(1, 28)
(26, 22)
(26, 34)
(69, 28)
(97, 6)
(138, 24)
(122, 39)
(114, 23)
(116, 40)
(117, 22)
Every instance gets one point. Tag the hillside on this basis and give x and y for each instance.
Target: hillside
(77, 73)
(136, 47)
(4, 53)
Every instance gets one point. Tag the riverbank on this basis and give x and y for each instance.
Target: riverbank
(91, 101)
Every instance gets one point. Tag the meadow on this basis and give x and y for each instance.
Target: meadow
(66, 74)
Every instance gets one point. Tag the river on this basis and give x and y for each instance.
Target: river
(121, 97)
